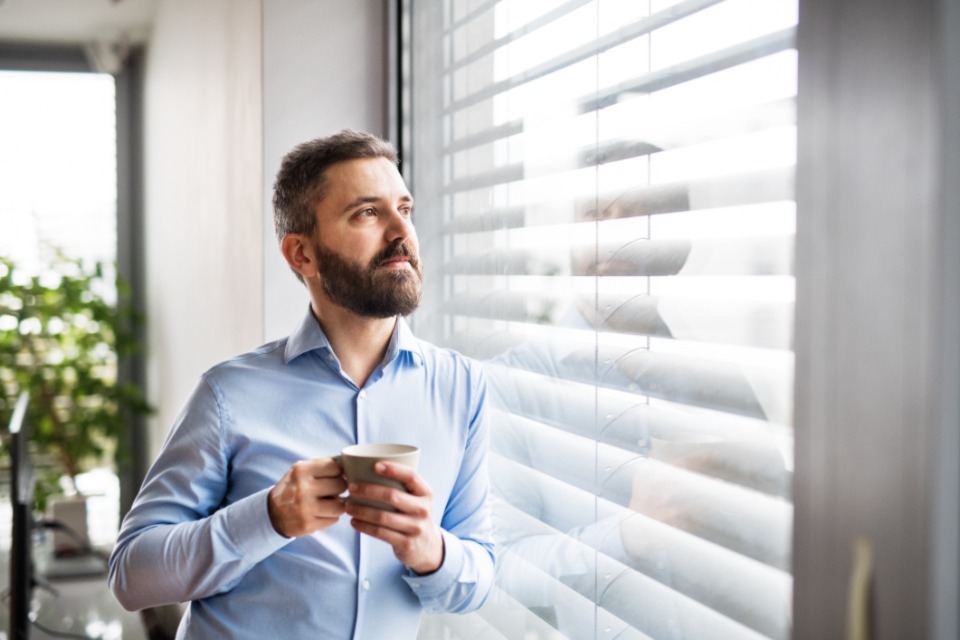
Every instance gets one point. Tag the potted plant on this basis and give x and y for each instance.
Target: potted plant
(62, 332)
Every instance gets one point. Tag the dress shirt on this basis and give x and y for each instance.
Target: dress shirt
(199, 529)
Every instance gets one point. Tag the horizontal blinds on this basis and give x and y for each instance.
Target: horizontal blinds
(606, 212)
(740, 519)
(642, 257)
(714, 193)
(713, 320)
(753, 455)
(593, 568)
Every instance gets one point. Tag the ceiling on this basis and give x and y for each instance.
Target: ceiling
(76, 21)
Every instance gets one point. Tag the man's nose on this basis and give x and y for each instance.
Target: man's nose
(399, 226)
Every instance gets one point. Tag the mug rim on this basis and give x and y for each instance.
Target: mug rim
(397, 450)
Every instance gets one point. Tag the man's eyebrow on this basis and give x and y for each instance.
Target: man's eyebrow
(356, 202)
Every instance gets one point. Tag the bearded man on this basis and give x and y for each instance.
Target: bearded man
(242, 515)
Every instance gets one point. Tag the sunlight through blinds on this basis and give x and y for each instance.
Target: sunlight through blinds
(605, 204)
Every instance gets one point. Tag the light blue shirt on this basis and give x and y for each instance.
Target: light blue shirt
(199, 530)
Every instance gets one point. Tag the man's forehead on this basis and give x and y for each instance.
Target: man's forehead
(372, 176)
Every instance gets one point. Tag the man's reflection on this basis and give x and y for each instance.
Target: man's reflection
(626, 559)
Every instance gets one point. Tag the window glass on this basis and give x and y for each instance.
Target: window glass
(606, 212)
(58, 178)
(58, 197)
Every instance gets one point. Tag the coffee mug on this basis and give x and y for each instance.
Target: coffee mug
(358, 461)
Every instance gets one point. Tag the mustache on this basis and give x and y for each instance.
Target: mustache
(399, 249)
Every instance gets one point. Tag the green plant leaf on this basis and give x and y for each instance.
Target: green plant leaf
(62, 342)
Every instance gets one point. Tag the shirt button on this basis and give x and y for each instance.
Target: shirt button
(363, 394)
(366, 585)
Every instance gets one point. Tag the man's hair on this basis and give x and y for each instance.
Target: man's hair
(301, 183)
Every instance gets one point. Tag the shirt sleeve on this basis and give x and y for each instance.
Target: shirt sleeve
(465, 578)
(179, 542)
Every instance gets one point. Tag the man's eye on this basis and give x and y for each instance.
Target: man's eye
(366, 213)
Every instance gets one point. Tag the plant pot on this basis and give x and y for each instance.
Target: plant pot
(71, 534)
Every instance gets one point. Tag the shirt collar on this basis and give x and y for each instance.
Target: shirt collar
(309, 337)
(402, 341)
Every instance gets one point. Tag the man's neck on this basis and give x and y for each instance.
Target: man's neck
(359, 342)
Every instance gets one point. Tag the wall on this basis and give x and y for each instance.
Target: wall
(323, 70)
(203, 230)
(230, 88)
(877, 332)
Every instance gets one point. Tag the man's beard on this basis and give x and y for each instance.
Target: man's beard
(371, 291)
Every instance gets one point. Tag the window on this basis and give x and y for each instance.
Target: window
(58, 194)
(59, 176)
(606, 212)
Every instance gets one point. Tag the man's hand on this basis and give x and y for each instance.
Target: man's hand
(306, 498)
(411, 530)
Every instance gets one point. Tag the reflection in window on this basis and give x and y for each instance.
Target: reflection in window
(606, 209)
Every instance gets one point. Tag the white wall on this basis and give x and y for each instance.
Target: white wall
(203, 195)
(323, 70)
(230, 87)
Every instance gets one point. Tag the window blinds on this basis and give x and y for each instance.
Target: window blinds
(605, 206)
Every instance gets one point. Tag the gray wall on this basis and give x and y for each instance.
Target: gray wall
(323, 70)
(877, 331)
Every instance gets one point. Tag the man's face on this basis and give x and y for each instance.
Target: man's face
(366, 247)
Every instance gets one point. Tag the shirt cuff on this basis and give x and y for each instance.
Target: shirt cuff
(434, 584)
(247, 526)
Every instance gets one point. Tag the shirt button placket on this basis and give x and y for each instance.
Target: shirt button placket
(363, 590)
(363, 583)
(361, 417)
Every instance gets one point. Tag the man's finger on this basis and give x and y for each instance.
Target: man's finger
(409, 510)
(325, 468)
(407, 476)
(329, 509)
(388, 535)
(399, 499)
(329, 487)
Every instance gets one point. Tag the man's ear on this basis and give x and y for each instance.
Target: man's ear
(299, 254)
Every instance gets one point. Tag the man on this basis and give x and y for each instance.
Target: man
(242, 513)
